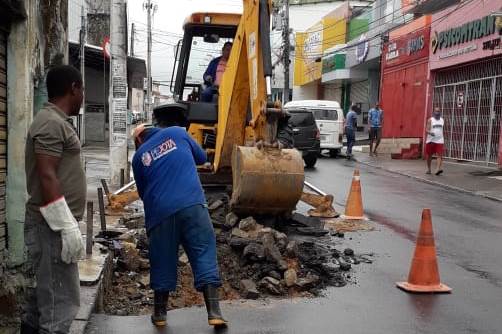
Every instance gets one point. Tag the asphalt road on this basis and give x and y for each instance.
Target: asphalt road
(467, 228)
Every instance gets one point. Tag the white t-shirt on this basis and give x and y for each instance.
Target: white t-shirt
(437, 129)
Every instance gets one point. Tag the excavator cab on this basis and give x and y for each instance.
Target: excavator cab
(238, 128)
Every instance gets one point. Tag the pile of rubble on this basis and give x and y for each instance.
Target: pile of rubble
(256, 259)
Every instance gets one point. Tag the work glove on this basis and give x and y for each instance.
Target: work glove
(58, 216)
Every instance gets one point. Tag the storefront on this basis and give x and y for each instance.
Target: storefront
(405, 70)
(466, 67)
(309, 48)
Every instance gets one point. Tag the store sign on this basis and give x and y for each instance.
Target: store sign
(392, 52)
(415, 44)
(468, 32)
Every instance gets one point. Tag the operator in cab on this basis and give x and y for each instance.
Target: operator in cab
(214, 73)
(176, 214)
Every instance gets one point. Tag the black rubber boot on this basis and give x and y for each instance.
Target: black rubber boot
(212, 301)
(27, 329)
(159, 308)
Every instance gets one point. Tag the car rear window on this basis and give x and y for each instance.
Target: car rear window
(302, 118)
(325, 115)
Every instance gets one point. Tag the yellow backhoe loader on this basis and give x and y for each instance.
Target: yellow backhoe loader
(238, 129)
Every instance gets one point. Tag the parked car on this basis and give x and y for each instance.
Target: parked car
(329, 119)
(306, 135)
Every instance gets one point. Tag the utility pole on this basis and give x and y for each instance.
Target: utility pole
(133, 33)
(150, 9)
(83, 32)
(285, 54)
(118, 91)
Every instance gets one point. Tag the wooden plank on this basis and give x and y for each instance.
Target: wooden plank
(3, 176)
(3, 243)
(3, 162)
(2, 204)
(3, 230)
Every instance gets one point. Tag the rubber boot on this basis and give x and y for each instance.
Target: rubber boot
(214, 317)
(159, 308)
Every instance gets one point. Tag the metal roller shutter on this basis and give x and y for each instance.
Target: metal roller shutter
(3, 135)
(333, 92)
(359, 95)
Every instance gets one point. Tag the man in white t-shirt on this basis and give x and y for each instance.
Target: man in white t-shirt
(435, 140)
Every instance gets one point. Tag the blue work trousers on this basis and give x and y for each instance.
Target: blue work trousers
(351, 139)
(191, 227)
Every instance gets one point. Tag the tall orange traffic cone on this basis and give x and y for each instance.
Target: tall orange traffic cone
(424, 272)
(354, 206)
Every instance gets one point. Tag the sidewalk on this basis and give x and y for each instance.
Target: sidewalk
(466, 177)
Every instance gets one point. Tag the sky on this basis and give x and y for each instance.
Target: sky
(168, 28)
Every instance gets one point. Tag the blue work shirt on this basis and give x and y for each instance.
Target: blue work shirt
(375, 117)
(165, 170)
(351, 120)
(211, 70)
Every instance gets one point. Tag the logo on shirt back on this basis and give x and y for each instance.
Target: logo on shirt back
(158, 152)
(163, 149)
(146, 159)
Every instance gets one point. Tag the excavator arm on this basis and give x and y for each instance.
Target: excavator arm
(266, 179)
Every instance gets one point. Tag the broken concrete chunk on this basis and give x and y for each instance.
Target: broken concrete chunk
(348, 251)
(215, 205)
(307, 282)
(344, 266)
(311, 231)
(238, 243)
(248, 224)
(281, 240)
(272, 252)
(292, 249)
(130, 256)
(231, 220)
(271, 285)
(274, 274)
(237, 232)
(290, 277)
(248, 289)
(144, 281)
(254, 252)
(303, 220)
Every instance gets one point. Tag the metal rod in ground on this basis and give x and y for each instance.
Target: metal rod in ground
(89, 235)
(101, 202)
(314, 188)
(105, 187)
(122, 177)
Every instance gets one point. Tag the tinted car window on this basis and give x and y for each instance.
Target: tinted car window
(325, 115)
(299, 119)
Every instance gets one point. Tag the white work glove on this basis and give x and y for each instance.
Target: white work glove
(58, 216)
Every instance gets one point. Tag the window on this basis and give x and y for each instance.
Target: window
(325, 115)
(301, 118)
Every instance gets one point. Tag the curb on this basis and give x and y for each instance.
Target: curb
(446, 186)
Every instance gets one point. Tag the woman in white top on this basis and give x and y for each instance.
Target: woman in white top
(435, 140)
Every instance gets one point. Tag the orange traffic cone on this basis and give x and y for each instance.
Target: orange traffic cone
(424, 272)
(354, 206)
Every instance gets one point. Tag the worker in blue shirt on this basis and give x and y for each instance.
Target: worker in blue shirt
(376, 119)
(176, 213)
(350, 130)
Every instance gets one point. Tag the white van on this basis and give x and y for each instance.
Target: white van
(329, 119)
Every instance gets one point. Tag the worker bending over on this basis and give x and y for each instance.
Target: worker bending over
(175, 213)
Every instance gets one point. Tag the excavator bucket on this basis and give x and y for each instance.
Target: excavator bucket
(266, 180)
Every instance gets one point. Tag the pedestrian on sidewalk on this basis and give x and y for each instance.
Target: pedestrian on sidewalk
(376, 121)
(176, 213)
(56, 188)
(435, 140)
(350, 130)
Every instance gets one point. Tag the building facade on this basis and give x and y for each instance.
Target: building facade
(405, 77)
(466, 71)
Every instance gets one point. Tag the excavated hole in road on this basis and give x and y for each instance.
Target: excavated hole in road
(259, 257)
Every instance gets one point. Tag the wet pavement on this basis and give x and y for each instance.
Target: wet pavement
(468, 230)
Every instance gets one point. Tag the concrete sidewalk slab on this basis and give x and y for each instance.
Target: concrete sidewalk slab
(470, 178)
